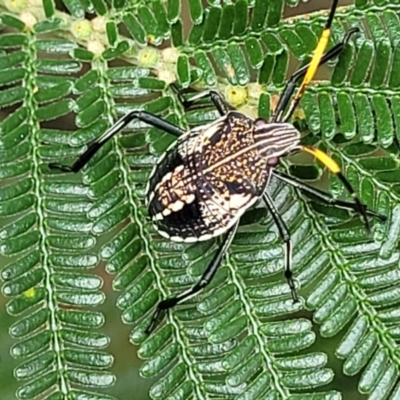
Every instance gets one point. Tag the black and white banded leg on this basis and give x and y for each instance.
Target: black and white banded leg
(204, 281)
(285, 236)
(123, 122)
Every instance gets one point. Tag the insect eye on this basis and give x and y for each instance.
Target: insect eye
(272, 161)
(260, 123)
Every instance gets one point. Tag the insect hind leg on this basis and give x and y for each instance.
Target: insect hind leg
(285, 236)
(214, 96)
(204, 281)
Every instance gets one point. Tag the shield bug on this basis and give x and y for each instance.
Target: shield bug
(212, 174)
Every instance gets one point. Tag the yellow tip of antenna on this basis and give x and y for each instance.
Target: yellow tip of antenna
(330, 163)
(333, 166)
(312, 69)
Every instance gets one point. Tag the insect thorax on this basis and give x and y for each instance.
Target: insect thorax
(212, 174)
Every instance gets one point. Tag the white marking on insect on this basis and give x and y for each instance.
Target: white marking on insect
(206, 236)
(237, 201)
(162, 233)
(189, 199)
(166, 177)
(190, 239)
(176, 238)
(153, 171)
(219, 231)
(178, 205)
(158, 216)
(166, 212)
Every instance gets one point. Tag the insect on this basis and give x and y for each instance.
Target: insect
(212, 174)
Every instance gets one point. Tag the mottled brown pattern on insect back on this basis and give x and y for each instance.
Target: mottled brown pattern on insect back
(219, 176)
(229, 163)
(177, 186)
(211, 159)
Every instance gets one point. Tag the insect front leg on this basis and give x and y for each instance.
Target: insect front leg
(214, 96)
(204, 281)
(92, 149)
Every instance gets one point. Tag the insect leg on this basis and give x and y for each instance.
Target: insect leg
(212, 94)
(334, 167)
(300, 73)
(322, 196)
(285, 235)
(144, 116)
(205, 279)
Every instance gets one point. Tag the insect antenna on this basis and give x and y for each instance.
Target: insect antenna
(291, 84)
(333, 166)
(315, 62)
(307, 73)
